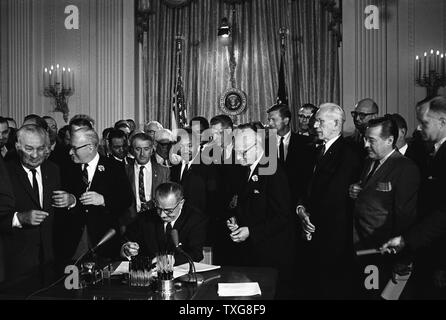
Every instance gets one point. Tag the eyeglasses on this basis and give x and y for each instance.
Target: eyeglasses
(302, 116)
(77, 148)
(168, 212)
(361, 115)
(245, 152)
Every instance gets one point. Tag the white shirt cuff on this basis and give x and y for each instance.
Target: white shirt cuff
(16, 222)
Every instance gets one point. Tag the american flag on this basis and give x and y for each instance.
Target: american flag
(179, 109)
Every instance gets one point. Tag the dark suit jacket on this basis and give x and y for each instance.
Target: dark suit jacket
(264, 207)
(160, 174)
(356, 141)
(148, 231)
(113, 185)
(298, 167)
(199, 184)
(431, 231)
(386, 206)
(22, 245)
(329, 204)
(7, 204)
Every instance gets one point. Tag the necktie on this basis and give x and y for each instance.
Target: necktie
(142, 192)
(168, 229)
(281, 151)
(320, 153)
(35, 185)
(375, 166)
(85, 177)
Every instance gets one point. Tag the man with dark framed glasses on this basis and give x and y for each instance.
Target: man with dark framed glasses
(150, 234)
(365, 110)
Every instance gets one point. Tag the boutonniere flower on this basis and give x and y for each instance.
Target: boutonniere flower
(255, 178)
(101, 168)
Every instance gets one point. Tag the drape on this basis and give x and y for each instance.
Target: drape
(312, 72)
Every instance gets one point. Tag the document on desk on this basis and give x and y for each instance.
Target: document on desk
(244, 289)
(178, 271)
(122, 268)
(183, 269)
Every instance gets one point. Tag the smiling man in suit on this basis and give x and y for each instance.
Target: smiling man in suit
(385, 198)
(326, 211)
(103, 193)
(35, 183)
(150, 234)
(144, 174)
(263, 228)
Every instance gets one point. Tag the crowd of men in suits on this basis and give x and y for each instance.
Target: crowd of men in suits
(302, 202)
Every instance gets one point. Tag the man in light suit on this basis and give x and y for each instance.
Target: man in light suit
(385, 198)
(28, 235)
(325, 212)
(144, 174)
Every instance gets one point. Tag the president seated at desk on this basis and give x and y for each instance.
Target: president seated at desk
(150, 233)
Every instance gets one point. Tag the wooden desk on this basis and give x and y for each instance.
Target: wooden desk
(117, 288)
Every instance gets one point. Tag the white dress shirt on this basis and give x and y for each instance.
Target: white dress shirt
(92, 165)
(403, 149)
(147, 183)
(438, 145)
(3, 151)
(286, 143)
(15, 220)
(330, 142)
(254, 165)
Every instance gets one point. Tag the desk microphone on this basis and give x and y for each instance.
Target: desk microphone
(110, 233)
(192, 276)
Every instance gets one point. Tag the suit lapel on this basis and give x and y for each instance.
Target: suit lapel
(45, 184)
(130, 168)
(98, 175)
(21, 173)
(383, 170)
(155, 174)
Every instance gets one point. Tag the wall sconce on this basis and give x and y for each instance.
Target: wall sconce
(58, 83)
(224, 30)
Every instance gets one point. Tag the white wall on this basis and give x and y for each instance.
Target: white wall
(380, 63)
(101, 52)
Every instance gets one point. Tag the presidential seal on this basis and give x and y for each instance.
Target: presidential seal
(233, 102)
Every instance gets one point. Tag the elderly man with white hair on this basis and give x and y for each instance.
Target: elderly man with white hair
(152, 127)
(325, 213)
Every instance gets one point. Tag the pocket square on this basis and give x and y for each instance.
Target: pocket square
(256, 191)
(384, 186)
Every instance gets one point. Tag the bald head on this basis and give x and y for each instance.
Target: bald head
(365, 110)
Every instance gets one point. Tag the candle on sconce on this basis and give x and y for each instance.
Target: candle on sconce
(72, 80)
(425, 70)
(442, 66)
(431, 61)
(437, 62)
(57, 74)
(418, 68)
(46, 79)
(64, 78)
(51, 77)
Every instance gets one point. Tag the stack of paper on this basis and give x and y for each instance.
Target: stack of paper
(183, 269)
(245, 289)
